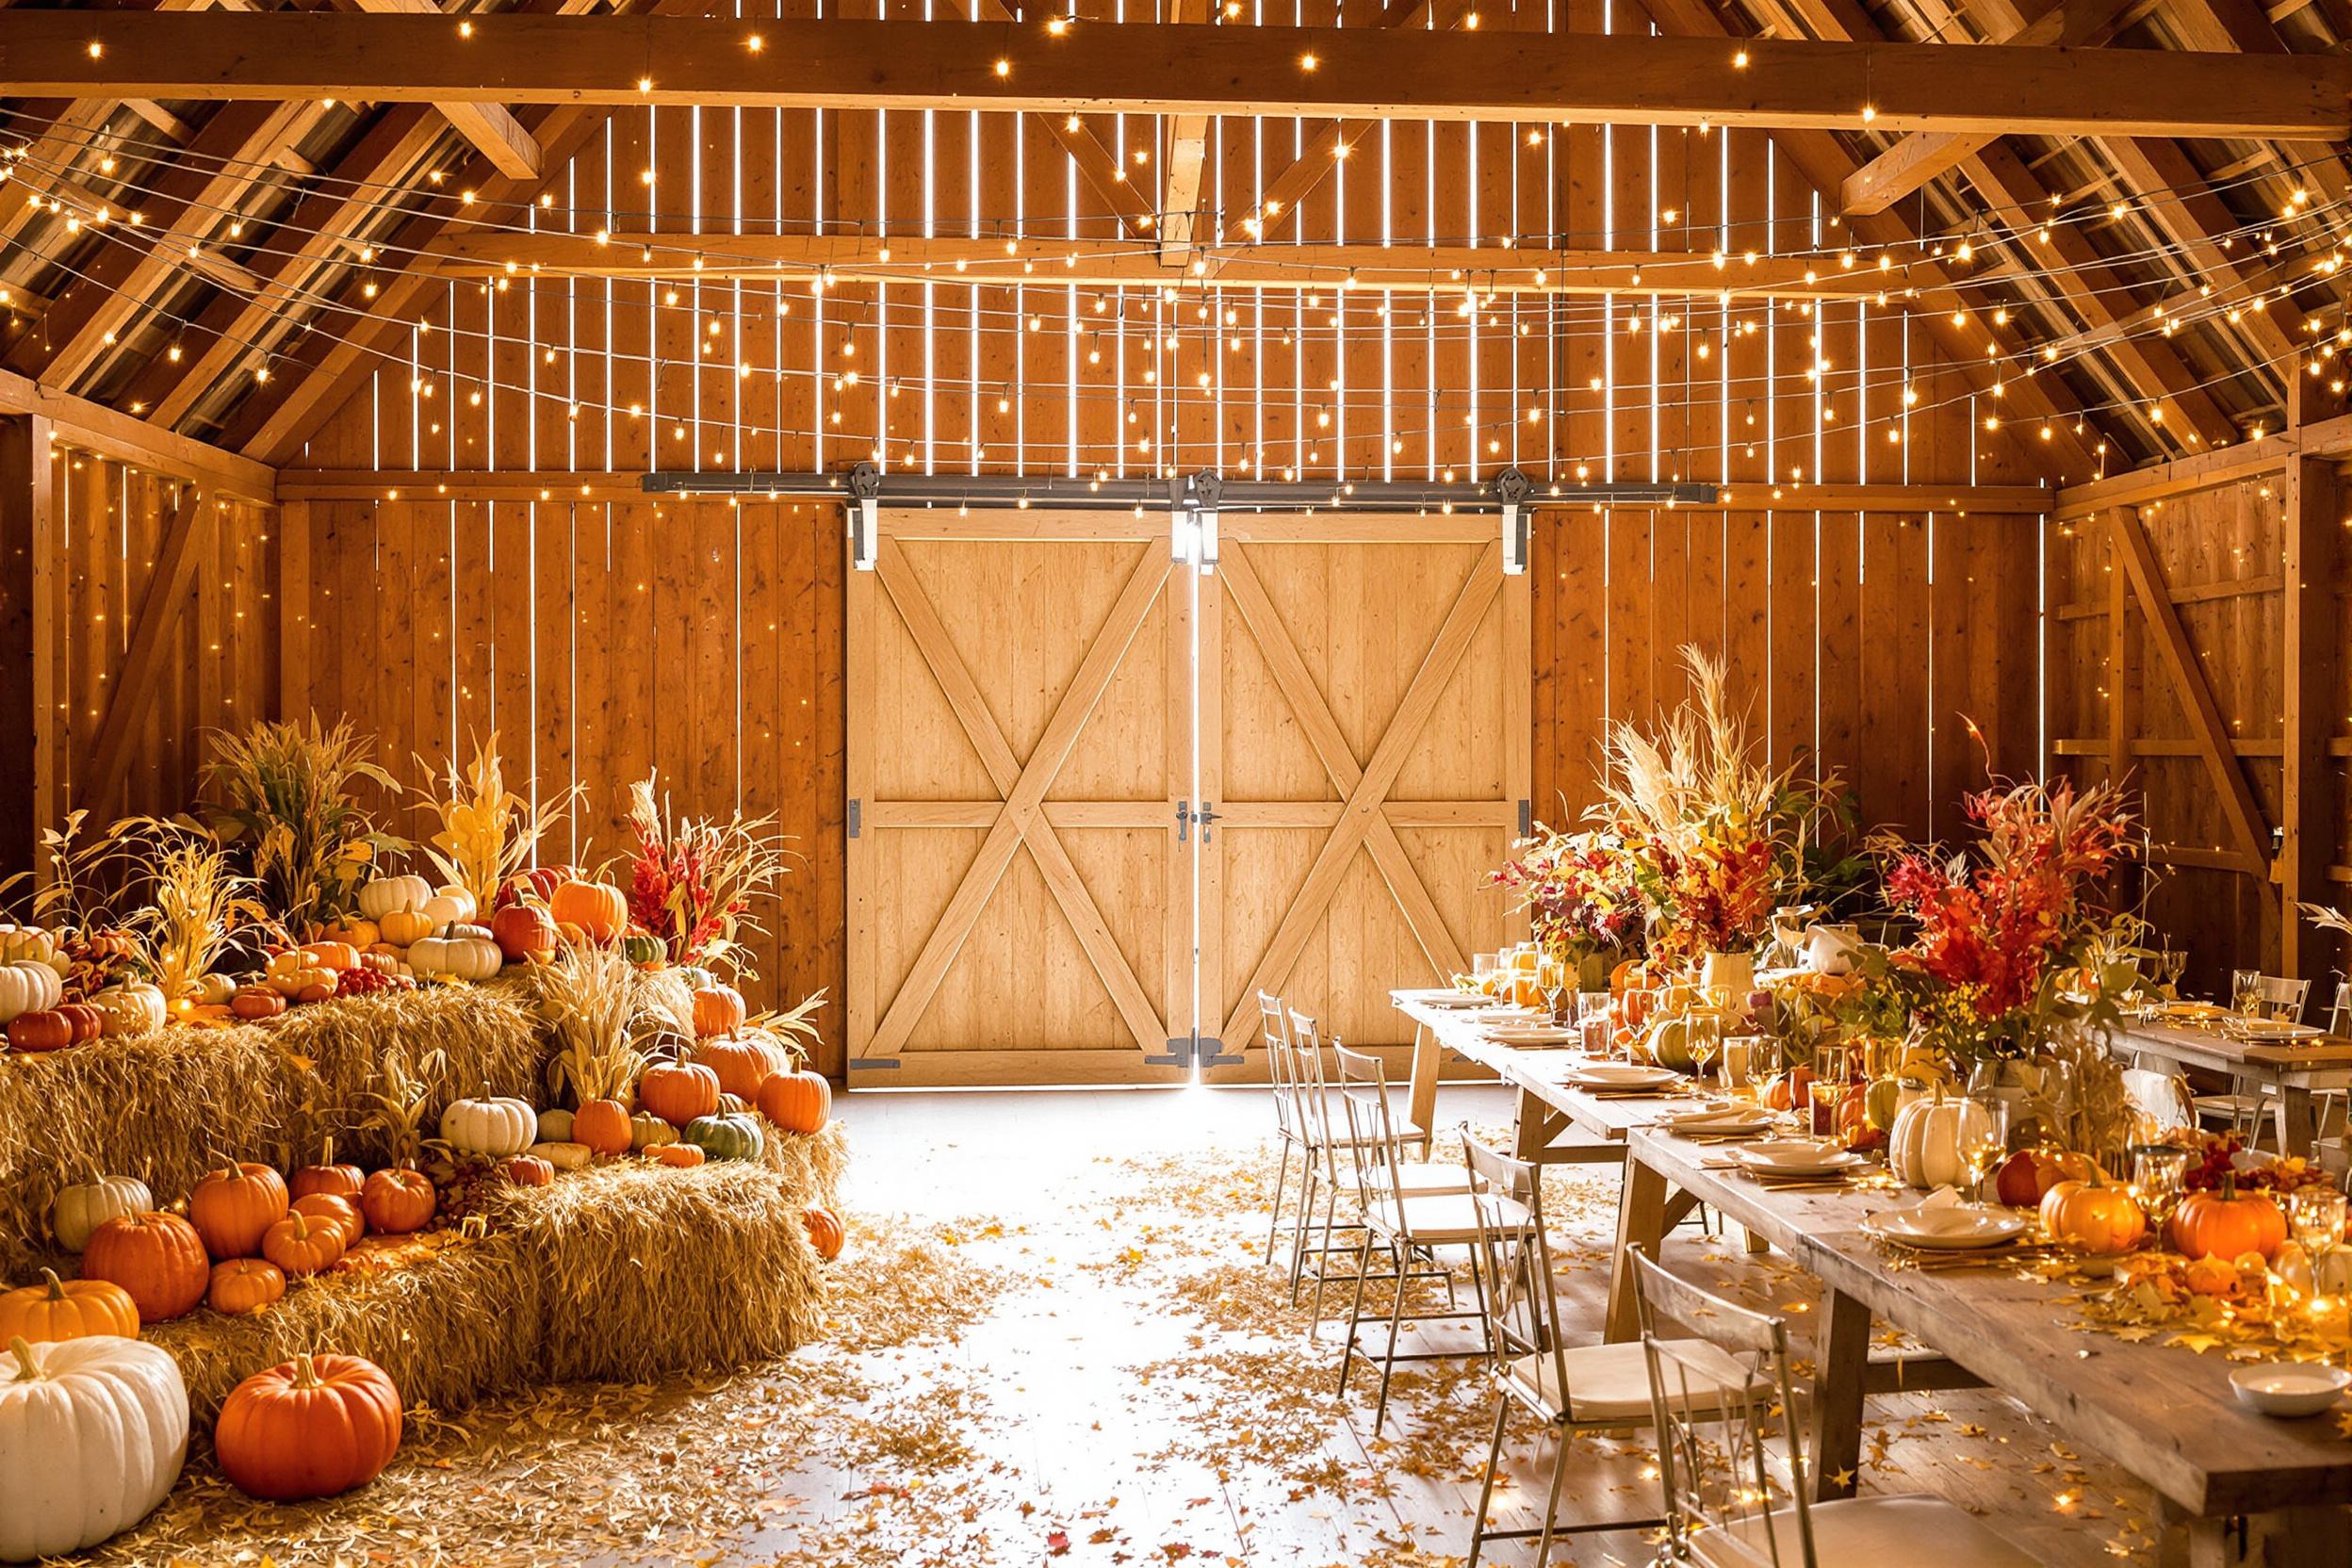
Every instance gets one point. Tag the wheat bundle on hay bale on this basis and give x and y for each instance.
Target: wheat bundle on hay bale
(623, 1272)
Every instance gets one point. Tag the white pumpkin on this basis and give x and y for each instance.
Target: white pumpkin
(214, 990)
(491, 1124)
(133, 1008)
(459, 903)
(92, 1434)
(1926, 1147)
(455, 957)
(81, 1208)
(555, 1126)
(27, 944)
(563, 1156)
(385, 894)
(28, 987)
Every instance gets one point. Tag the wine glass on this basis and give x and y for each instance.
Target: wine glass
(1704, 1034)
(1983, 1138)
(2245, 992)
(1829, 1069)
(1551, 979)
(2317, 1213)
(2160, 1175)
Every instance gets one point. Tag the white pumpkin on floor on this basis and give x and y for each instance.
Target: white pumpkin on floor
(1928, 1146)
(92, 1434)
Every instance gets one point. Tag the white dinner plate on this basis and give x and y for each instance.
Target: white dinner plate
(1795, 1157)
(1722, 1121)
(1622, 1075)
(1950, 1228)
(2269, 1029)
(1531, 1033)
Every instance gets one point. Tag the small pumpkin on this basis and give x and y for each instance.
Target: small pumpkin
(27, 985)
(489, 1124)
(158, 1257)
(825, 1231)
(361, 933)
(644, 948)
(798, 1101)
(597, 909)
(343, 1181)
(678, 1092)
(244, 1286)
(67, 1309)
(683, 1155)
(336, 1209)
(744, 1061)
(80, 1209)
(718, 1011)
(2093, 1217)
(232, 1207)
(645, 1130)
(532, 886)
(603, 1126)
(133, 1008)
(38, 1032)
(301, 1246)
(555, 1126)
(29, 944)
(387, 895)
(530, 1170)
(2026, 1177)
(92, 1434)
(562, 1156)
(2210, 1276)
(456, 958)
(314, 1427)
(255, 1002)
(337, 957)
(396, 1203)
(725, 1137)
(87, 1022)
(523, 932)
(405, 929)
(451, 905)
(2224, 1223)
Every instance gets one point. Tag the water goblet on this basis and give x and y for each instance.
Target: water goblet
(2160, 1174)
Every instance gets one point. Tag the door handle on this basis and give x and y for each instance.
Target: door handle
(1204, 816)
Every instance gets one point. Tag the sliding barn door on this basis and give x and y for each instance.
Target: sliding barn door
(1364, 739)
(1018, 702)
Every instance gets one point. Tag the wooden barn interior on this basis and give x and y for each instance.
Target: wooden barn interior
(1127, 547)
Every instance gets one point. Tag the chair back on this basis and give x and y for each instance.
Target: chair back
(1714, 1443)
(1371, 1129)
(2164, 1097)
(1274, 1030)
(2340, 1012)
(2283, 997)
(1510, 1266)
(1319, 1121)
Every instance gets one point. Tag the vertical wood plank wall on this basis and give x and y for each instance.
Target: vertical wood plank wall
(219, 663)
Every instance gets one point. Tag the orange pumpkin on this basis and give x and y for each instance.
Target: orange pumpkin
(314, 1427)
(528, 1170)
(796, 1101)
(677, 1092)
(360, 933)
(343, 1181)
(718, 1010)
(596, 907)
(680, 1154)
(523, 932)
(2094, 1216)
(337, 957)
(404, 927)
(301, 1246)
(158, 1257)
(397, 1201)
(232, 1206)
(603, 1126)
(2226, 1223)
(2026, 1177)
(2211, 1276)
(744, 1062)
(244, 1286)
(67, 1309)
(47, 1030)
(254, 1003)
(825, 1231)
(340, 1210)
(87, 1022)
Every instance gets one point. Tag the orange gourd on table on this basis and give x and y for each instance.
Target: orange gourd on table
(2093, 1216)
(796, 1101)
(58, 1309)
(677, 1092)
(2226, 1223)
(158, 1257)
(244, 1286)
(314, 1427)
(232, 1206)
(680, 1154)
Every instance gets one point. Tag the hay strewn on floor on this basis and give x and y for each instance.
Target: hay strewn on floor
(623, 1272)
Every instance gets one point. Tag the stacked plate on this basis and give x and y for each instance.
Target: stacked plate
(1792, 1158)
(1530, 1034)
(1720, 1121)
(1620, 1076)
(1947, 1227)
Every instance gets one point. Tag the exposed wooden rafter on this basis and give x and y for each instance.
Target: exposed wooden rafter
(78, 422)
(491, 127)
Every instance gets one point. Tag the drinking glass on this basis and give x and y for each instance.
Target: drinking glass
(1740, 1054)
(1551, 978)
(2245, 992)
(1704, 1034)
(1985, 1139)
(1829, 1069)
(2317, 1216)
(2160, 1174)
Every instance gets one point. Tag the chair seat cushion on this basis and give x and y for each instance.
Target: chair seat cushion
(1915, 1527)
(1420, 1180)
(1438, 1219)
(1611, 1382)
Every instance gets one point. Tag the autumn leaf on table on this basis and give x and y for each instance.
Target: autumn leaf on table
(1057, 1542)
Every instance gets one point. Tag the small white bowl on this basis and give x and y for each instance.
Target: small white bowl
(2289, 1387)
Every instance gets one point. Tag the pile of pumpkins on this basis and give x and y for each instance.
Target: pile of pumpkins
(35, 974)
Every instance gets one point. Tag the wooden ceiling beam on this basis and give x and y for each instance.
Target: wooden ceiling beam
(1096, 163)
(491, 127)
(109, 432)
(1182, 171)
(1359, 72)
(1443, 268)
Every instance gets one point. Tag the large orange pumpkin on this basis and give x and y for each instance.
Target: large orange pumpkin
(677, 1092)
(2093, 1216)
(796, 1101)
(244, 1286)
(744, 1062)
(48, 1030)
(301, 1245)
(313, 1426)
(334, 956)
(596, 907)
(2227, 1223)
(158, 1257)
(232, 1206)
(342, 1181)
(254, 1003)
(397, 1201)
(67, 1309)
(523, 932)
(339, 1209)
(603, 1126)
(718, 1010)
(825, 1231)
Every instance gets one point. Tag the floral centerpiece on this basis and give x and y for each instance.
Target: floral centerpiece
(691, 882)
(1582, 903)
(284, 793)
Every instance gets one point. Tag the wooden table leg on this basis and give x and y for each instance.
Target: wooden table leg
(1641, 1222)
(1421, 1100)
(1842, 1360)
(2298, 1122)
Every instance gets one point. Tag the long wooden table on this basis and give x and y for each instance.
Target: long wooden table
(2293, 1069)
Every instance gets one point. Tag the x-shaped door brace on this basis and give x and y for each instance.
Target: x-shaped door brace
(1021, 818)
(1364, 819)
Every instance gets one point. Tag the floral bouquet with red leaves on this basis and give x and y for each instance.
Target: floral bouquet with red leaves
(691, 882)
(1579, 891)
(2007, 933)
